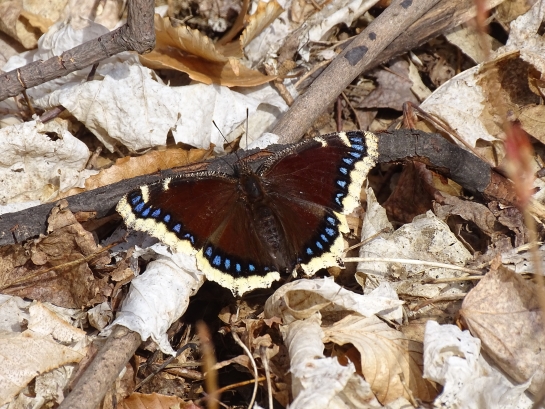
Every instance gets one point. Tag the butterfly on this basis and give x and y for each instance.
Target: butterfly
(264, 218)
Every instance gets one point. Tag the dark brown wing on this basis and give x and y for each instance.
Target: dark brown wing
(202, 213)
(312, 185)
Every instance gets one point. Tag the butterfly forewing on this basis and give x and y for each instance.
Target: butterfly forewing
(181, 212)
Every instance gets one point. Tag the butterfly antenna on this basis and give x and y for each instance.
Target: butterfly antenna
(226, 141)
(247, 126)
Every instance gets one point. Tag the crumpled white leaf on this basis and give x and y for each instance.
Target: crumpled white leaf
(130, 106)
(452, 358)
(302, 298)
(42, 352)
(427, 238)
(159, 296)
(319, 382)
(39, 160)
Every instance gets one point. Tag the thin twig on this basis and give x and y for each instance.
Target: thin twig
(209, 360)
(265, 361)
(367, 240)
(247, 351)
(409, 261)
(165, 363)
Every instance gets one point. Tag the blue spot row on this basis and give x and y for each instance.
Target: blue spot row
(322, 243)
(227, 265)
(360, 148)
(356, 140)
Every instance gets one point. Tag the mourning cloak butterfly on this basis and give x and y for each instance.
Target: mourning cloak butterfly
(263, 220)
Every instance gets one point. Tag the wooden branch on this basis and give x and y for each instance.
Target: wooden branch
(104, 369)
(448, 159)
(392, 35)
(137, 35)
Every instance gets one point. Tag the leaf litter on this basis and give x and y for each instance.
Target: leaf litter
(384, 338)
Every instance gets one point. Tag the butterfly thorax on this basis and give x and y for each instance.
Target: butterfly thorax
(252, 191)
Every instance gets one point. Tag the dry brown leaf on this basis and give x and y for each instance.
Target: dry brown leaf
(12, 25)
(70, 286)
(503, 311)
(393, 90)
(42, 23)
(130, 167)
(413, 194)
(26, 355)
(532, 120)
(265, 14)
(467, 210)
(183, 49)
(155, 401)
(385, 354)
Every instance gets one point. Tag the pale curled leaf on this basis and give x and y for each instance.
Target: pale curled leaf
(159, 296)
(503, 311)
(319, 382)
(26, 355)
(452, 358)
(385, 354)
(301, 299)
(265, 14)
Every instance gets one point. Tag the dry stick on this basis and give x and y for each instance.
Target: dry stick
(137, 35)
(390, 31)
(265, 361)
(91, 388)
(365, 48)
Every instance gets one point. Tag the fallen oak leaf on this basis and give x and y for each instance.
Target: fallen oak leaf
(384, 354)
(503, 311)
(183, 49)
